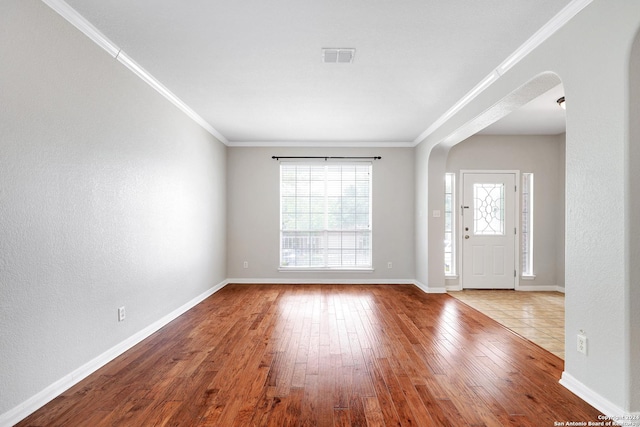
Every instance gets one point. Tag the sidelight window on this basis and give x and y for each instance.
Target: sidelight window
(527, 224)
(449, 224)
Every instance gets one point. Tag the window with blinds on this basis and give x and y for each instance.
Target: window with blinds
(527, 224)
(325, 215)
(449, 225)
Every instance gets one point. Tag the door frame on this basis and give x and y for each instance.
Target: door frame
(517, 215)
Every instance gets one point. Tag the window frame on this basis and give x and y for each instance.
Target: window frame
(451, 214)
(325, 232)
(526, 226)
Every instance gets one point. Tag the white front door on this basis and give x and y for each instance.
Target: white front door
(489, 230)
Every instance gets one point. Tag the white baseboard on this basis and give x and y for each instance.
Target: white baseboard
(315, 281)
(40, 399)
(424, 288)
(603, 405)
(430, 289)
(455, 288)
(540, 288)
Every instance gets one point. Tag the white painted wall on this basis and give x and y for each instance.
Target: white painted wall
(254, 215)
(542, 156)
(109, 196)
(591, 56)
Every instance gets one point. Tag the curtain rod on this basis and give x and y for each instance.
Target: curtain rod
(325, 157)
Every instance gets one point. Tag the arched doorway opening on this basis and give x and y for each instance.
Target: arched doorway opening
(532, 154)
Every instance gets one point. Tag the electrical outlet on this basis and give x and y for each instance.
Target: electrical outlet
(121, 314)
(246, 264)
(389, 264)
(582, 344)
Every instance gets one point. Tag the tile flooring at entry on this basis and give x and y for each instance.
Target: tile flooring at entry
(537, 316)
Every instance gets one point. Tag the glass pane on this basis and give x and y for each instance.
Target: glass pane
(316, 221)
(335, 221)
(288, 221)
(447, 183)
(362, 221)
(348, 221)
(334, 188)
(362, 205)
(303, 188)
(317, 173)
(348, 173)
(317, 188)
(348, 205)
(362, 172)
(288, 173)
(488, 209)
(362, 188)
(317, 205)
(303, 173)
(448, 263)
(348, 189)
(288, 204)
(288, 188)
(302, 205)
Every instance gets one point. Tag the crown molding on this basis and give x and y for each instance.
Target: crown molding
(546, 31)
(322, 144)
(557, 22)
(78, 21)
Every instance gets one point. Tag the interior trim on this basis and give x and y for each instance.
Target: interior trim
(78, 21)
(547, 30)
(323, 144)
(602, 404)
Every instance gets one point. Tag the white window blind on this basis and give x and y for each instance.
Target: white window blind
(527, 224)
(325, 215)
(449, 224)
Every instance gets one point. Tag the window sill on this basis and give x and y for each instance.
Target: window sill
(528, 277)
(450, 276)
(324, 270)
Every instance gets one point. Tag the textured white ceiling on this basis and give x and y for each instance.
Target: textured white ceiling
(253, 69)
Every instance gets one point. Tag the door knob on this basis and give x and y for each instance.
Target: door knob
(466, 236)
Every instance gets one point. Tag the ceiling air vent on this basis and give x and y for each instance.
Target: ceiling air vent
(339, 56)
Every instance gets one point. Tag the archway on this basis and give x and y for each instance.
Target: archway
(438, 166)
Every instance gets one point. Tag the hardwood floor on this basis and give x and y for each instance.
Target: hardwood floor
(325, 355)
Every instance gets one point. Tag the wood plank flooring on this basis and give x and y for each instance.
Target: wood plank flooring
(324, 355)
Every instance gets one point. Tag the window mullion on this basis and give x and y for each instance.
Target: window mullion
(326, 216)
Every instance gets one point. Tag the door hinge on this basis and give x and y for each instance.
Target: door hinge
(515, 188)
(515, 230)
(515, 274)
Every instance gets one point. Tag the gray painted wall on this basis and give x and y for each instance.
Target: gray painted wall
(544, 157)
(254, 214)
(109, 196)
